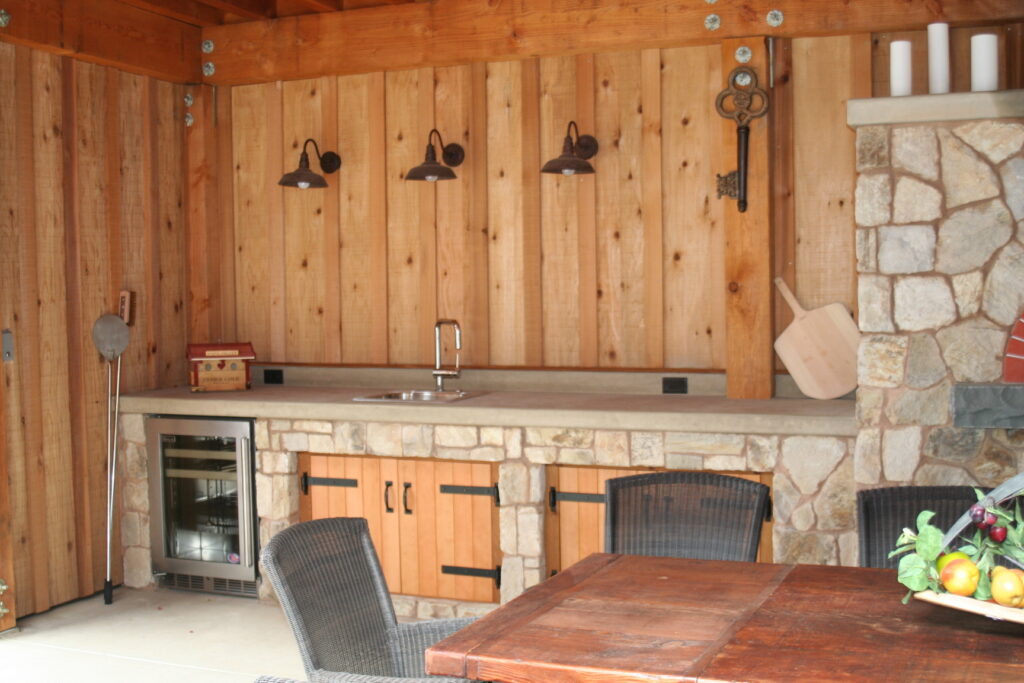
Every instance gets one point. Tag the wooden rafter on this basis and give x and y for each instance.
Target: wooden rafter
(189, 11)
(108, 32)
(249, 9)
(448, 32)
(320, 5)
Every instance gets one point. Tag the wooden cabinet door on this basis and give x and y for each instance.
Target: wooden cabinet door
(466, 519)
(355, 486)
(433, 523)
(574, 524)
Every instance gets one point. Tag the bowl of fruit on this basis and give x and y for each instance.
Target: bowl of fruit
(978, 564)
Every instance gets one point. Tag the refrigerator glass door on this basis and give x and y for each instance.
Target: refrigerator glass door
(201, 497)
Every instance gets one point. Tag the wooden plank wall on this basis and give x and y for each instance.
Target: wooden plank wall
(623, 269)
(92, 201)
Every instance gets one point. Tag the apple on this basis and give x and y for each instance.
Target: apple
(946, 558)
(1008, 588)
(960, 577)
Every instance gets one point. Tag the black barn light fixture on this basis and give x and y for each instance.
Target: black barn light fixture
(303, 177)
(430, 170)
(573, 160)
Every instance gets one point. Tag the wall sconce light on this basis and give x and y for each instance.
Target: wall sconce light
(303, 177)
(452, 155)
(573, 160)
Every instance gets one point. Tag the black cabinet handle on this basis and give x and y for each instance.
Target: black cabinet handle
(387, 496)
(405, 497)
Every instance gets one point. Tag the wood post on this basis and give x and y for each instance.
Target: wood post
(748, 244)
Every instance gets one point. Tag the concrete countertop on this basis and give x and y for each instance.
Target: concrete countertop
(646, 412)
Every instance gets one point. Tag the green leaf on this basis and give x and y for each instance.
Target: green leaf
(902, 549)
(913, 572)
(971, 550)
(979, 493)
(929, 542)
(984, 590)
(923, 519)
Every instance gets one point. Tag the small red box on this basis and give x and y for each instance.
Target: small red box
(220, 367)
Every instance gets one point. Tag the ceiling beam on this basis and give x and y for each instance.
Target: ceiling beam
(320, 5)
(248, 9)
(107, 32)
(446, 32)
(188, 11)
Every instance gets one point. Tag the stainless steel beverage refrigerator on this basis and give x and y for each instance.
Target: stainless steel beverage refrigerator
(202, 503)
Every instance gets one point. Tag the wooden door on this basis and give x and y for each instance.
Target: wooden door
(448, 529)
(433, 522)
(574, 518)
(466, 519)
(355, 486)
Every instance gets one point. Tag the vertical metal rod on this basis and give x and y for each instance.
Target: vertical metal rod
(108, 587)
(770, 44)
(742, 140)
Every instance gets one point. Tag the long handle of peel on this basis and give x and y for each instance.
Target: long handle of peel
(110, 394)
(108, 587)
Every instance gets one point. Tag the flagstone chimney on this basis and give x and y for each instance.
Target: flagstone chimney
(940, 262)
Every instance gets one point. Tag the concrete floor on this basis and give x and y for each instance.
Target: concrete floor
(152, 636)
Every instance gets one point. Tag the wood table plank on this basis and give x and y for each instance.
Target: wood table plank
(828, 623)
(631, 618)
(589, 623)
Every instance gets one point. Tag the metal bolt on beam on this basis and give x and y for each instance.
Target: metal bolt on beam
(775, 18)
(208, 68)
(189, 120)
(5, 18)
(743, 54)
(207, 47)
(712, 22)
(189, 100)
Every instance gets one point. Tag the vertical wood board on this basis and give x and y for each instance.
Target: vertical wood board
(694, 235)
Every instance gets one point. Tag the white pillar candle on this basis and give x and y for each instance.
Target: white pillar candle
(984, 62)
(899, 68)
(938, 58)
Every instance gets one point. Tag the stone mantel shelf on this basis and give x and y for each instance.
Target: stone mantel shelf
(960, 106)
(517, 409)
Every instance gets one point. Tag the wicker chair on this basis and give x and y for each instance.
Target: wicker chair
(883, 513)
(328, 579)
(698, 515)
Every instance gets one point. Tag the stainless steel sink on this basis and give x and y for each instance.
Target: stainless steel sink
(417, 396)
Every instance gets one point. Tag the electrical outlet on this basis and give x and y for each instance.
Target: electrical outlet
(273, 376)
(674, 385)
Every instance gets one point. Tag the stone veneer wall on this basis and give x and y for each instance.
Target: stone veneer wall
(813, 484)
(940, 257)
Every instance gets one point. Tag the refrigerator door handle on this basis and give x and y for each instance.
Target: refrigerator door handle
(246, 527)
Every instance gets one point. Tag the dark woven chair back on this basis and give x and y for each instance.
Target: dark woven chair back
(883, 513)
(330, 585)
(698, 515)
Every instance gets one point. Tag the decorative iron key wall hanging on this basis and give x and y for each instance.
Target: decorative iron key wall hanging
(748, 102)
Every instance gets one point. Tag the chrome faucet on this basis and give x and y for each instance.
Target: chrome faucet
(439, 372)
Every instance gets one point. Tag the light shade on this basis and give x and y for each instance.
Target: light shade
(303, 177)
(573, 159)
(431, 170)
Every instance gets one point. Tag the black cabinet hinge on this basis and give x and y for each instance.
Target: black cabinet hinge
(554, 495)
(494, 574)
(473, 491)
(305, 481)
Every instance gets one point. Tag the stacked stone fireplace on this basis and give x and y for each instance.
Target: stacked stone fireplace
(940, 261)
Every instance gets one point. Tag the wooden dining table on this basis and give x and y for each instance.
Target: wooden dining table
(632, 618)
